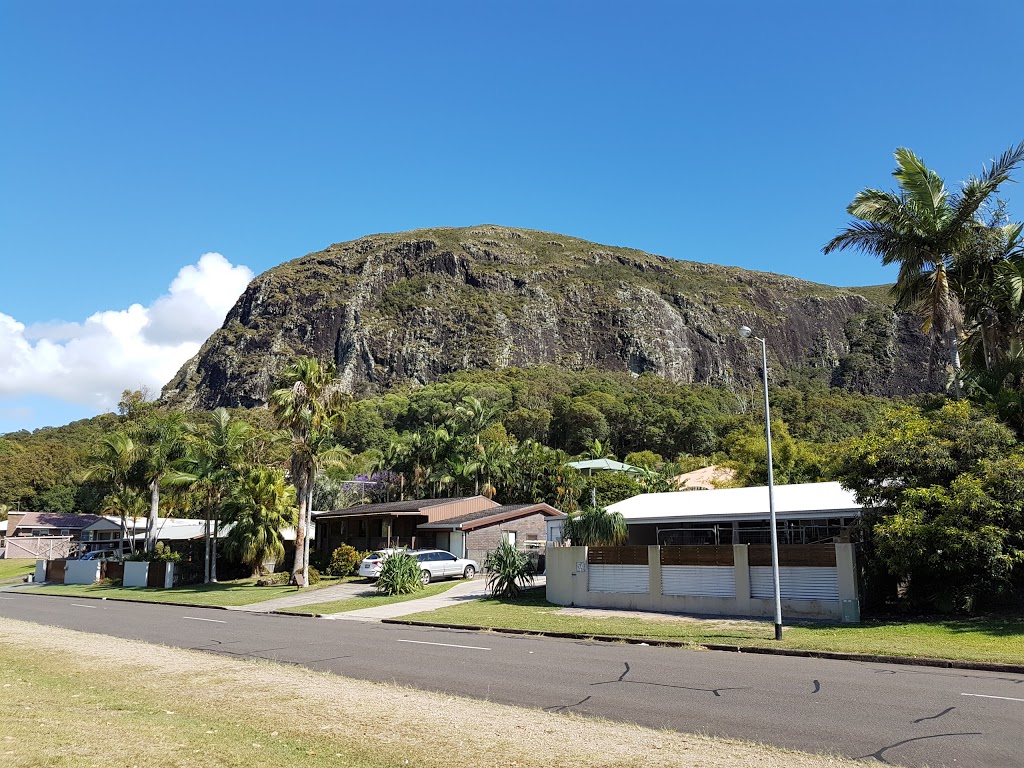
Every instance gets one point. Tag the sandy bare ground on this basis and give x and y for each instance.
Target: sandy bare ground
(75, 699)
(706, 623)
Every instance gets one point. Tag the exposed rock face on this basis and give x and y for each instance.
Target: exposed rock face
(412, 306)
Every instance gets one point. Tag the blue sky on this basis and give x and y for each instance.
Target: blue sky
(140, 136)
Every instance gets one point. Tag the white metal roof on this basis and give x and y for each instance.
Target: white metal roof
(605, 464)
(792, 502)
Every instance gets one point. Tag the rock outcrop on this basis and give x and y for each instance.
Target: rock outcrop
(410, 307)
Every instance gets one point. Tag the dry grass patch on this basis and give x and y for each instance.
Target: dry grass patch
(88, 700)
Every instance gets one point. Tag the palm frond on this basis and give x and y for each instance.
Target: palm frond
(924, 186)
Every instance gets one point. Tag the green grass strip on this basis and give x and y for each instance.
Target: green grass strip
(989, 639)
(224, 593)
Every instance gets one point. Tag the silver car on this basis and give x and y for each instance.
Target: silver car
(440, 564)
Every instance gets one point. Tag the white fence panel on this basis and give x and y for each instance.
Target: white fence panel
(634, 579)
(795, 583)
(698, 580)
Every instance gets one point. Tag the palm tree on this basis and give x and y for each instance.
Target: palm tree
(163, 437)
(113, 464)
(309, 395)
(260, 505)
(924, 230)
(213, 459)
(598, 450)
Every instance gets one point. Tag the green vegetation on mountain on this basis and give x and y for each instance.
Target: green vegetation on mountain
(408, 308)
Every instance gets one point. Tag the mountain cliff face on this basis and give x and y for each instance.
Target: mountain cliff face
(409, 307)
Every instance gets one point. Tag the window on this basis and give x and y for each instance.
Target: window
(65, 532)
(509, 536)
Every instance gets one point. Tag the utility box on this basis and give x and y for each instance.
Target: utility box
(851, 611)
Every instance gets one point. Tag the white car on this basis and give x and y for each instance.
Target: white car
(440, 564)
(370, 567)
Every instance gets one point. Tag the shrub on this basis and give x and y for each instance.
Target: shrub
(344, 561)
(508, 571)
(399, 575)
(160, 554)
(595, 527)
(274, 579)
(314, 575)
(163, 554)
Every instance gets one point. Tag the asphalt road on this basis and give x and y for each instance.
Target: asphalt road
(906, 715)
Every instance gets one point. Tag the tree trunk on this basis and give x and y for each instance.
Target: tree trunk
(309, 530)
(954, 359)
(298, 572)
(154, 510)
(206, 550)
(213, 548)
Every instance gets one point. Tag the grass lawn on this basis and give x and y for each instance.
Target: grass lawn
(990, 639)
(75, 702)
(371, 601)
(13, 570)
(240, 592)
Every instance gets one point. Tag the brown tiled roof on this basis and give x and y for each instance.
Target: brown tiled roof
(490, 516)
(408, 507)
(56, 520)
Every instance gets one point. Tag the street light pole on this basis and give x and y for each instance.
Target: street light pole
(746, 333)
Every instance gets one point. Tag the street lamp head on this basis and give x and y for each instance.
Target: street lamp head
(745, 332)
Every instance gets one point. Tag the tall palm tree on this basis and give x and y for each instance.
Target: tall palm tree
(163, 439)
(260, 505)
(214, 457)
(113, 464)
(309, 394)
(924, 229)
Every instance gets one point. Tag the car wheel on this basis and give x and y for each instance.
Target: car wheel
(425, 576)
(469, 573)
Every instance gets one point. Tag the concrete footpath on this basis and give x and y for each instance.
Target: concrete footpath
(461, 592)
(301, 597)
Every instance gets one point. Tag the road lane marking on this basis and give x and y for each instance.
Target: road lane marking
(82, 605)
(446, 645)
(196, 618)
(985, 696)
(6, 598)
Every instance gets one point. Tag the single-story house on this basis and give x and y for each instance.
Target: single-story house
(469, 526)
(806, 513)
(475, 534)
(391, 523)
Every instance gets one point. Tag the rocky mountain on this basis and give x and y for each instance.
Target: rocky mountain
(412, 306)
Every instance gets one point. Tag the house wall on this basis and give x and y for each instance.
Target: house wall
(823, 590)
(483, 540)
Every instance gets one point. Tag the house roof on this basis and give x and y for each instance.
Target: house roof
(792, 502)
(406, 507)
(492, 516)
(56, 520)
(606, 464)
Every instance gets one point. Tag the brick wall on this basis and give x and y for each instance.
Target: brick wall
(483, 540)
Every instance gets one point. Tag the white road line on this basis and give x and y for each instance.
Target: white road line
(83, 605)
(984, 696)
(6, 598)
(196, 618)
(446, 645)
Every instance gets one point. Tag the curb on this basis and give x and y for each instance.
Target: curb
(982, 666)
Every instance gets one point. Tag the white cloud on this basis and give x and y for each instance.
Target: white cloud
(92, 362)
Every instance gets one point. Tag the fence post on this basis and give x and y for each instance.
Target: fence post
(654, 570)
(741, 569)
